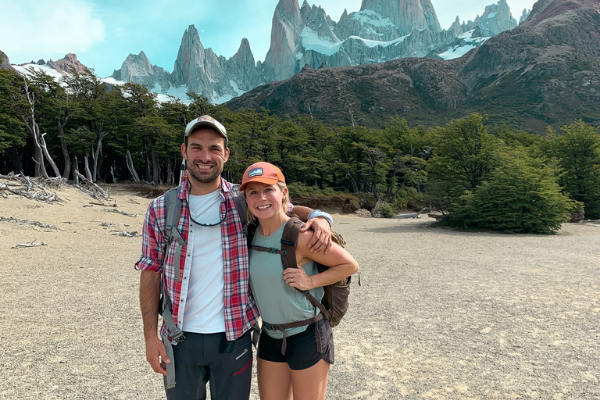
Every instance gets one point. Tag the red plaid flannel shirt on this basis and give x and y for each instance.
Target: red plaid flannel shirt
(240, 309)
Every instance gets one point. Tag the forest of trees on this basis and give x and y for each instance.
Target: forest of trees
(480, 176)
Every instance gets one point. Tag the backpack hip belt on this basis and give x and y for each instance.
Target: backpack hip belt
(296, 324)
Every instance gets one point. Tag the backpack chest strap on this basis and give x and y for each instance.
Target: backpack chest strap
(271, 250)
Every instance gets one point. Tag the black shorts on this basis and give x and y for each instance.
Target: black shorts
(301, 351)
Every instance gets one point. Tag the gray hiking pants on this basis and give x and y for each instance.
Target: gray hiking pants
(203, 358)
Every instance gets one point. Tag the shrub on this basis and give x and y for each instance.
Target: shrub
(520, 196)
(384, 210)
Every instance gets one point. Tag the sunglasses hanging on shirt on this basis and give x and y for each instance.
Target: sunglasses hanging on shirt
(216, 223)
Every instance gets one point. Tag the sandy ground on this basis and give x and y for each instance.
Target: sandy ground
(440, 314)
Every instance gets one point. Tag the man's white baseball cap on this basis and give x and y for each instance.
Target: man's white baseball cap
(206, 120)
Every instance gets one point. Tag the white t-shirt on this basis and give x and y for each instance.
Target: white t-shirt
(203, 294)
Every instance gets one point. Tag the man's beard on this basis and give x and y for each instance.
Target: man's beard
(203, 178)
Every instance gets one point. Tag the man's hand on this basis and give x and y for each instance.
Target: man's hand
(321, 239)
(156, 355)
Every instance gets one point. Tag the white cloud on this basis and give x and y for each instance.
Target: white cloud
(48, 29)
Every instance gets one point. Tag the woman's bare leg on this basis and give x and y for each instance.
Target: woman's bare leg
(274, 380)
(311, 383)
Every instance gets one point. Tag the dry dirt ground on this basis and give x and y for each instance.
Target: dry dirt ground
(440, 314)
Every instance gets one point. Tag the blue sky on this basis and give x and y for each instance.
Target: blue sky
(104, 32)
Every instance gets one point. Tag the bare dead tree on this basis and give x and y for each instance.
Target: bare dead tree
(98, 153)
(33, 129)
(47, 155)
(131, 167)
(86, 165)
(354, 185)
(41, 150)
(75, 169)
(63, 145)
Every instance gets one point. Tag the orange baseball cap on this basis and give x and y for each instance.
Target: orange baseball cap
(262, 172)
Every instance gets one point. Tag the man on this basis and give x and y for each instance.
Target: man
(209, 294)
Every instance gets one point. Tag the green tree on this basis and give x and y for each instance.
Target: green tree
(578, 153)
(464, 154)
(12, 129)
(408, 152)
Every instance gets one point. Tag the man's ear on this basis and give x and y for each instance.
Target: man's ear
(226, 154)
(183, 152)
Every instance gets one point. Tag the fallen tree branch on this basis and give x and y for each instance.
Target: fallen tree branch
(126, 234)
(29, 244)
(32, 188)
(24, 221)
(121, 212)
(91, 188)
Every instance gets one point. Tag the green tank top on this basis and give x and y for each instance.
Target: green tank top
(276, 301)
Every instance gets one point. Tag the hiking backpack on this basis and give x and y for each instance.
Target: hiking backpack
(334, 303)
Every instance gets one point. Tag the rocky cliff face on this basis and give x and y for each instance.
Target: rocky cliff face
(199, 69)
(544, 72)
(138, 69)
(406, 15)
(281, 62)
(496, 19)
(4, 61)
(65, 64)
(196, 70)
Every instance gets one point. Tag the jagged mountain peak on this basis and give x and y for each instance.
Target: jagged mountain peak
(496, 18)
(524, 15)
(244, 45)
(67, 62)
(523, 76)
(138, 57)
(244, 54)
(191, 35)
(383, 30)
(344, 15)
(407, 15)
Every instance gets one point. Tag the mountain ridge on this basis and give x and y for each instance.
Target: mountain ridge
(521, 77)
(306, 35)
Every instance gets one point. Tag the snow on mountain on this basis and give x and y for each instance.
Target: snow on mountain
(371, 18)
(162, 95)
(26, 69)
(375, 43)
(323, 45)
(468, 43)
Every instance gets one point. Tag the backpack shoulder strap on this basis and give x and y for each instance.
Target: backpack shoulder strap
(240, 203)
(289, 241)
(173, 207)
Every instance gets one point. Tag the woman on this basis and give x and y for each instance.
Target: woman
(294, 364)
